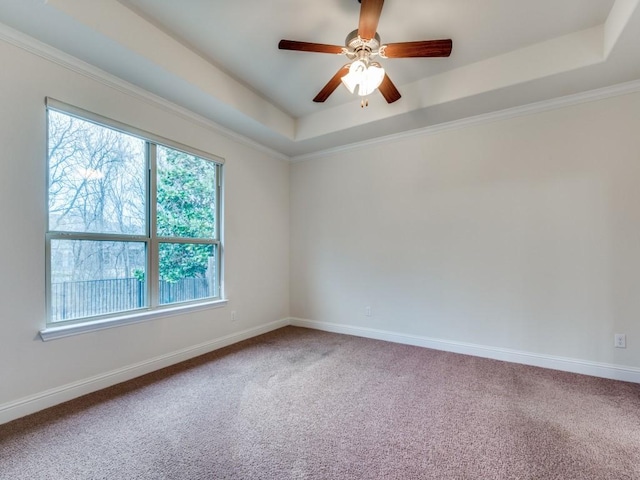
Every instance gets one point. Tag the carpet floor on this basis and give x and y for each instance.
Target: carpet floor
(303, 404)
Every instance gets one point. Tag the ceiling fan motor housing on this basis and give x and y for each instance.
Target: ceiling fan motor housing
(357, 47)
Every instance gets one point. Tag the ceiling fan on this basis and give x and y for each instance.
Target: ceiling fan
(362, 45)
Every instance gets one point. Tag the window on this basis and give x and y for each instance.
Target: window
(133, 220)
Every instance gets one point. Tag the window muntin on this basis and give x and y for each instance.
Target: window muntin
(133, 223)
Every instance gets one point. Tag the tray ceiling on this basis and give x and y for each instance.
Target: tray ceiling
(220, 59)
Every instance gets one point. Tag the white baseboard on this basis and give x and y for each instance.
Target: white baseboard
(34, 403)
(596, 369)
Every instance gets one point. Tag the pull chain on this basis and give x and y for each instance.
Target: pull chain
(364, 103)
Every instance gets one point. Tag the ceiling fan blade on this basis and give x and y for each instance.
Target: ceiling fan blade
(389, 90)
(370, 11)
(329, 88)
(426, 48)
(309, 47)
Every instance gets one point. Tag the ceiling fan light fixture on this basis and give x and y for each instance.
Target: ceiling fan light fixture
(364, 76)
(352, 79)
(363, 44)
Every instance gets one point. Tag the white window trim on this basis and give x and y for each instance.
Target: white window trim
(51, 331)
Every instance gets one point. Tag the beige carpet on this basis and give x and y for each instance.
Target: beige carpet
(302, 404)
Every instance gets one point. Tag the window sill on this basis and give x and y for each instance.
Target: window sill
(53, 332)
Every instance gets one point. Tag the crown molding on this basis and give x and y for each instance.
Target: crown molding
(52, 54)
(47, 52)
(523, 110)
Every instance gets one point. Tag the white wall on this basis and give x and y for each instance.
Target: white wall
(34, 373)
(520, 234)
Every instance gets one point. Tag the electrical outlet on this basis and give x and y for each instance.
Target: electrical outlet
(233, 315)
(620, 340)
(367, 311)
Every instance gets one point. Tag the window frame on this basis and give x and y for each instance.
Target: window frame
(153, 309)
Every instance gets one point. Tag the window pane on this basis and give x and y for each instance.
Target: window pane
(91, 278)
(188, 271)
(186, 187)
(97, 180)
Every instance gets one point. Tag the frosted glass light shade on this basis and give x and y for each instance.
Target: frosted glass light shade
(365, 77)
(373, 77)
(352, 79)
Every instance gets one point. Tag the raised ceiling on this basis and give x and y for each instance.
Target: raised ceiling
(220, 59)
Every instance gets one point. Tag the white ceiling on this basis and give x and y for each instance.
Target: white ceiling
(250, 31)
(220, 59)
